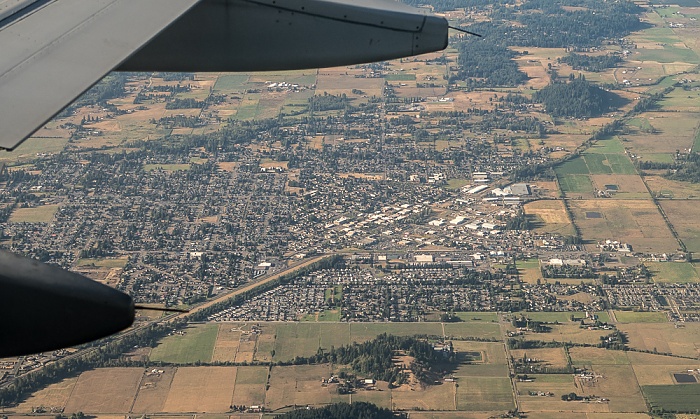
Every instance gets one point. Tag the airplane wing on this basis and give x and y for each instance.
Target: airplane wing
(53, 50)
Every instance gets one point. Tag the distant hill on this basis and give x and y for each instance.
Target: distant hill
(577, 98)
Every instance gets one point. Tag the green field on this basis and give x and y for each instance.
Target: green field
(673, 272)
(197, 344)
(609, 146)
(28, 149)
(576, 166)
(640, 317)
(478, 393)
(575, 183)
(675, 398)
(231, 82)
(467, 316)
(668, 54)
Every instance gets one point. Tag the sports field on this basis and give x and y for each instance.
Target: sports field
(40, 214)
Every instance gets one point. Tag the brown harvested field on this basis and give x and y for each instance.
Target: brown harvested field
(637, 222)
(105, 390)
(250, 386)
(338, 83)
(299, 384)
(672, 188)
(618, 384)
(55, 395)
(153, 391)
(657, 374)
(201, 389)
(676, 131)
(683, 215)
(664, 337)
(553, 357)
(558, 384)
(434, 397)
(547, 188)
(227, 342)
(549, 216)
(629, 186)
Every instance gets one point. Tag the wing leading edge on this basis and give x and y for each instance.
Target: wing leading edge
(60, 48)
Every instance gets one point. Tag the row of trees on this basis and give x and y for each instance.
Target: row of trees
(357, 410)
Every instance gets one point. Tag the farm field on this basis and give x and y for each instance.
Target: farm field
(638, 222)
(548, 216)
(681, 398)
(201, 389)
(663, 337)
(106, 390)
(683, 216)
(196, 344)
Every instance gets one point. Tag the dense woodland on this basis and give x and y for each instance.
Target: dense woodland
(357, 410)
(595, 63)
(487, 64)
(544, 23)
(578, 99)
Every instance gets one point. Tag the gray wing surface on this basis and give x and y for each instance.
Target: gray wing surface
(57, 50)
(53, 50)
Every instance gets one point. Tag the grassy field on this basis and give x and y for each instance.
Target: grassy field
(104, 262)
(683, 216)
(228, 82)
(640, 317)
(678, 272)
(166, 167)
(42, 214)
(575, 184)
(197, 344)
